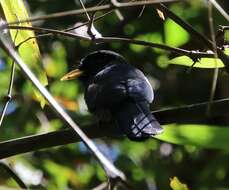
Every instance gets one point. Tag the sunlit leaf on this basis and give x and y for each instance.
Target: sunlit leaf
(15, 10)
(226, 51)
(205, 136)
(175, 184)
(205, 63)
(162, 61)
(151, 37)
(175, 35)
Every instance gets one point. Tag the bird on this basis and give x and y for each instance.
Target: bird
(117, 91)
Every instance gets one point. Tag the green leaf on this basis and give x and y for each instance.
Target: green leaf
(175, 184)
(14, 10)
(226, 51)
(175, 35)
(204, 63)
(204, 136)
(150, 37)
(227, 35)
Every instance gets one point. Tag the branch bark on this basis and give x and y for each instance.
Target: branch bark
(192, 53)
(182, 114)
(110, 169)
(94, 9)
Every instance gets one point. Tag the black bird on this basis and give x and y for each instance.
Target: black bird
(115, 88)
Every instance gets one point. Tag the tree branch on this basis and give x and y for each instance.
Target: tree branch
(93, 9)
(110, 169)
(181, 114)
(192, 53)
(208, 43)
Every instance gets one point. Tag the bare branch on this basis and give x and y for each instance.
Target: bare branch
(196, 34)
(216, 70)
(181, 114)
(93, 9)
(192, 53)
(9, 94)
(185, 25)
(10, 88)
(111, 170)
(85, 10)
(220, 9)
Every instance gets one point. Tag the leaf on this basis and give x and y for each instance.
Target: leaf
(203, 136)
(175, 35)
(175, 184)
(14, 10)
(226, 51)
(150, 37)
(204, 63)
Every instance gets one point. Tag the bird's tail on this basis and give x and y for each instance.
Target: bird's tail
(136, 121)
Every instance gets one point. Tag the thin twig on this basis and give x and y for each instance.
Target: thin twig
(9, 94)
(12, 174)
(110, 169)
(86, 23)
(85, 10)
(192, 53)
(216, 70)
(117, 12)
(195, 33)
(90, 25)
(90, 20)
(65, 30)
(185, 25)
(220, 9)
(180, 114)
(92, 9)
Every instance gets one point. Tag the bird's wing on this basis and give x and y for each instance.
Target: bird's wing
(106, 94)
(139, 89)
(115, 84)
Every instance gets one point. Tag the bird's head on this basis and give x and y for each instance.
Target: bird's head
(94, 63)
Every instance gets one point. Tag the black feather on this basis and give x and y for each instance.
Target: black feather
(115, 86)
(136, 120)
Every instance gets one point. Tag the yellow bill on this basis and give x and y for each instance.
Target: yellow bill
(72, 75)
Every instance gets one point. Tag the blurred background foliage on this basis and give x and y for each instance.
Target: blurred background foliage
(201, 163)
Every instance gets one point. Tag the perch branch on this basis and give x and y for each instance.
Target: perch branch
(181, 114)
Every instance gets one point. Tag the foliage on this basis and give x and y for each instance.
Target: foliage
(29, 51)
(177, 185)
(198, 153)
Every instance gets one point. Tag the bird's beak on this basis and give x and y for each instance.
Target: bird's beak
(72, 75)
